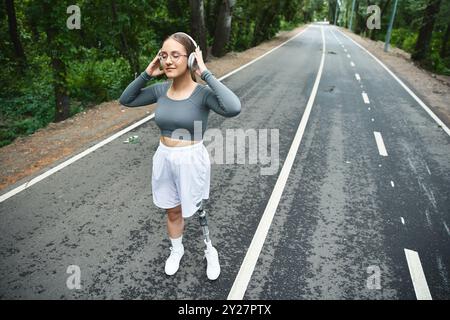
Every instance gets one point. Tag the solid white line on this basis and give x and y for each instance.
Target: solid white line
(411, 93)
(64, 164)
(262, 56)
(352, 64)
(380, 144)
(417, 275)
(248, 265)
(392, 184)
(357, 77)
(402, 220)
(365, 98)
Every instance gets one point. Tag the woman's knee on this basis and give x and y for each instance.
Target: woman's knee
(174, 214)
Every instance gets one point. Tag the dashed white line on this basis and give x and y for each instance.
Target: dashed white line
(380, 144)
(428, 169)
(352, 64)
(357, 77)
(251, 258)
(365, 98)
(349, 56)
(411, 93)
(446, 228)
(417, 275)
(392, 184)
(368, 108)
(402, 220)
(345, 50)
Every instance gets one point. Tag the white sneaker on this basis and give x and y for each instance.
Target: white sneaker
(213, 267)
(173, 262)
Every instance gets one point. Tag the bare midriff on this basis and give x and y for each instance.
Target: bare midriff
(170, 142)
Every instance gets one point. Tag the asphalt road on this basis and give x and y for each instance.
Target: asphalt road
(346, 224)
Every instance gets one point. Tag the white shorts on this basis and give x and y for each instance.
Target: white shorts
(181, 175)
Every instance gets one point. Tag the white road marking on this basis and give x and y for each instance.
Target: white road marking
(411, 93)
(428, 169)
(417, 275)
(402, 220)
(41, 177)
(64, 164)
(392, 184)
(248, 265)
(365, 98)
(345, 50)
(349, 56)
(357, 77)
(427, 214)
(368, 108)
(352, 64)
(380, 144)
(373, 119)
(446, 228)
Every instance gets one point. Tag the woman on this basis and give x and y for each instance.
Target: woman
(181, 165)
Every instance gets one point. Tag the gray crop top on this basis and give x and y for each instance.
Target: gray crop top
(180, 114)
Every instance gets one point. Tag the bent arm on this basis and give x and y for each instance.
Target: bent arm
(135, 96)
(221, 99)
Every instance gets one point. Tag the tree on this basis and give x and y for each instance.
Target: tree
(198, 28)
(13, 33)
(423, 41)
(223, 28)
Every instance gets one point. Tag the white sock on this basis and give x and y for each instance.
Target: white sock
(208, 245)
(177, 244)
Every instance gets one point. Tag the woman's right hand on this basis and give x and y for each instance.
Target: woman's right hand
(153, 69)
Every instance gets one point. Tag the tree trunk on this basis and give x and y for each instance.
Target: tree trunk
(426, 30)
(444, 46)
(223, 28)
(198, 28)
(62, 110)
(332, 4)
(14, 35)
(61, 97)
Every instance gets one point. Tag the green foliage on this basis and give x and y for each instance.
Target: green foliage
(404, 39)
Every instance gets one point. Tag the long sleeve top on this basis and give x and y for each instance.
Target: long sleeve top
(183, 119)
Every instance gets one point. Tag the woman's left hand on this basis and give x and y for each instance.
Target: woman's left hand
(201, 65)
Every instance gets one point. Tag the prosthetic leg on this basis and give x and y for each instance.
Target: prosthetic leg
(211, 255)
(203, 223)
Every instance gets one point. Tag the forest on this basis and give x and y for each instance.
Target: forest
(51, 71)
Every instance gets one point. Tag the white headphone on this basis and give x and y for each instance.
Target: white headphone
(191, 59)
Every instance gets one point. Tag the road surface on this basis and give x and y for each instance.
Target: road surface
(363, 211)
